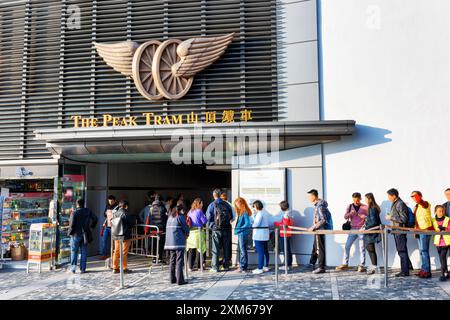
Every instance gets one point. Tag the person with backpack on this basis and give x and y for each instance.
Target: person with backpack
(105, 231)
(286, 220)
(196, 219)
(423, 221)
(80, 224)
(441, 223)
(446, 205)
(322, 221)
(219, 215)
(121, 227)
(261, 236)
(177, 233)
(399, 218)
(356, 215)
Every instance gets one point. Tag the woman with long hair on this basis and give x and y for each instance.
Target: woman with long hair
(242, 230)
(176, 233)
(372, 221)
(197, 220)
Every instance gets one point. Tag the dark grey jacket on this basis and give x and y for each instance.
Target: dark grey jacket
(399, 213)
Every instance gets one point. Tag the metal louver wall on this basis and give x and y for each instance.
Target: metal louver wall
(50, 71)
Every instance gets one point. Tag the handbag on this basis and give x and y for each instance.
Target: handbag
(348, 224)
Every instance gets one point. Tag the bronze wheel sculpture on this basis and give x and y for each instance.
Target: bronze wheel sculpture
(142, 70)
(164, 69)
(168, 83)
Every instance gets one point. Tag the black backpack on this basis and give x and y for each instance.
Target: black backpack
(117, 227)
(222, 215)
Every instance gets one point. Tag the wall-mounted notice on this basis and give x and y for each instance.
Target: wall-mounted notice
(269, 186)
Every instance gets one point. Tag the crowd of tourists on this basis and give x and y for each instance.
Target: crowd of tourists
(182, 227)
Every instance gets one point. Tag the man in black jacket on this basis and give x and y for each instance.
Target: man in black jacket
(80, 225)
(399, 218)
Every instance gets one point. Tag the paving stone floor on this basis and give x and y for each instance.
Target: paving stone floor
(300, 284)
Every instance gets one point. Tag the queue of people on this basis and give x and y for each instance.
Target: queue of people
(178, 228)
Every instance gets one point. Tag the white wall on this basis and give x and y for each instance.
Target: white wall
(386, 65)
(298, 60)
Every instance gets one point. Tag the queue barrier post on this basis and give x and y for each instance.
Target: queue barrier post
(121, 263)
(201, 248)
(285, 250)
(185, 265)
(276, 256)
(386, 254)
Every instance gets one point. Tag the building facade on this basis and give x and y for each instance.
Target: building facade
(293, 68)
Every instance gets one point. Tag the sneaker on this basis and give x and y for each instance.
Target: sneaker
(361, 269)
(116, 271)
(371, 270)
(127, 271)
(318, 270)
(257, 271)
(184, 282)
(401, 274)
(213, 270)
(342, 267)
(265, 269)
(442, 278)
(282, 268)
(425, 275)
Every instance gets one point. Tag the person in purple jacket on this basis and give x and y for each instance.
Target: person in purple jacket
(357, 213)
(196, 219)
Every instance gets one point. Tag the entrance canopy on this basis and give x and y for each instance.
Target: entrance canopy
(155, 143)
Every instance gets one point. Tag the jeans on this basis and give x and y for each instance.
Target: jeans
(370, 247)
(318, 251)
(105, 242)
(362, 250)
(220, 240)
(424, 247)
(443, 252)
(243, 253)
(263, 253)
(402, 250)
(288, 254)
(77, 242)
(176, 264)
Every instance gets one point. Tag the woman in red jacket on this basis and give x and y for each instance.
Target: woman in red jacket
(287, 221)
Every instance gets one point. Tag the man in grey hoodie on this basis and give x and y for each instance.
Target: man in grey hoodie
(320, 223)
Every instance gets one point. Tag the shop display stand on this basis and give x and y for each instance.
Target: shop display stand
(41, 246)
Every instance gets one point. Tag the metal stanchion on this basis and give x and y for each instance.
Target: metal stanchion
(276, 256)
(185, 265)
(121, 263)
(285, 251)
(386, 234)
(201, 249)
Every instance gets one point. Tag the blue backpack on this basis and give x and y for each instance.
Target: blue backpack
(411, 219)
(329, 224)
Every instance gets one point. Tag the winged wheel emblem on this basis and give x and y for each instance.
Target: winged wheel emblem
(164, 69)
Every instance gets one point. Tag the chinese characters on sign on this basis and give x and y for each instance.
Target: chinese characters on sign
(107, 120)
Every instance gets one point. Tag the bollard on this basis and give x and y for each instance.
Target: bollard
(121, 262)
(386, 236)
(185, 265)
(276, 256)
(201, 249)
(285, 251)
